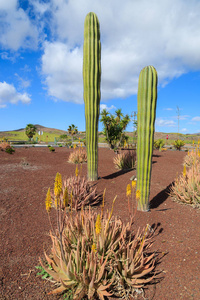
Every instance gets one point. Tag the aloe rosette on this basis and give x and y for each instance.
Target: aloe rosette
(147, 99)
(91, 82)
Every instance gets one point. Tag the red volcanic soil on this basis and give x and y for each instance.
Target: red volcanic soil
(25, 177)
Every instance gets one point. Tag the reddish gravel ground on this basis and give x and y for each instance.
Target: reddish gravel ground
(25, 177)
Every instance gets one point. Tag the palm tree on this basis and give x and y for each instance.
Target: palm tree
(123, 123)
(119, 114)
(30, 131)
(72, 130)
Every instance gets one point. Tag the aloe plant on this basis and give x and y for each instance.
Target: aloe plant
(91, 81)
(97, 256)
(147, 98)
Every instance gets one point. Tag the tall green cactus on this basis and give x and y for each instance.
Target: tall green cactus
(91, 82)
(147, 98)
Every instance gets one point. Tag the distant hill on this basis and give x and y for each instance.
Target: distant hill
(40, 127)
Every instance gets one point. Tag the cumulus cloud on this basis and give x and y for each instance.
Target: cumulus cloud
(8, 94)
(106, 107)
(162, 122)
(130, 40)
(184, 130)
(143, 33)
(16, 29)
(196, 119)
(62, 68)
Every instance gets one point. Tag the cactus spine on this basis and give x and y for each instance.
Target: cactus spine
(91, 82)
(147, 98)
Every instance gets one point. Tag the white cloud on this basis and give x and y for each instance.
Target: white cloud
(184, 130)
(104, 106)
(196, 119)
(8, 94)
(163, 122)
(24, 83)
(62, 69)
(16, 29)
(143, 33)
(169, 109)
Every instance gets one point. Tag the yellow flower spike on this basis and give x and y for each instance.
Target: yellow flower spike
(76, 171)
(102, 206)
(112, 209)
(56, 202)
(184, 171)
(71, 197)
(81, 145)
(48, 201)
(138, 195)
(133, 184)
(128, 190)
(94, 248)
(74, 146)
(82, 218)
(98, 224)
(65, 197)
(58, 185)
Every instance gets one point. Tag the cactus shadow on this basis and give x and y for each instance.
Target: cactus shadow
(116, 174)
(161, 197)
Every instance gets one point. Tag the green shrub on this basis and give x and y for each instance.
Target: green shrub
(9, 150)
(69, 145)
(178, 144)
(158, 144)
(51, 149)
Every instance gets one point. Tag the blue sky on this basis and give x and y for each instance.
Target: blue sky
(41, 55)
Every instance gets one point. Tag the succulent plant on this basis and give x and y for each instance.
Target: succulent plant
(178, 144)
(158, 144)
(81, 191)
(186, 189)
(78, 156)
(192, 158)
(147, 98)
(91, 81)
(125, 160)
(97, 255)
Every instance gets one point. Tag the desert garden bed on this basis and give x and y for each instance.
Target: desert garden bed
(25, 177)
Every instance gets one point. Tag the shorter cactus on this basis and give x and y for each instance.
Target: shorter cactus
(147, 97)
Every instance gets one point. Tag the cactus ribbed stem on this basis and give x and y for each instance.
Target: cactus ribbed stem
(147, 98)
(91, 81)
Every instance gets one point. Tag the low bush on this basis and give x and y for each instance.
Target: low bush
(158, 144)
(178, 144)
(5, 146)
(192, 158)
(10, 150)
(125, 160)
(78, 156)
(186, 188)
(51, 149)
